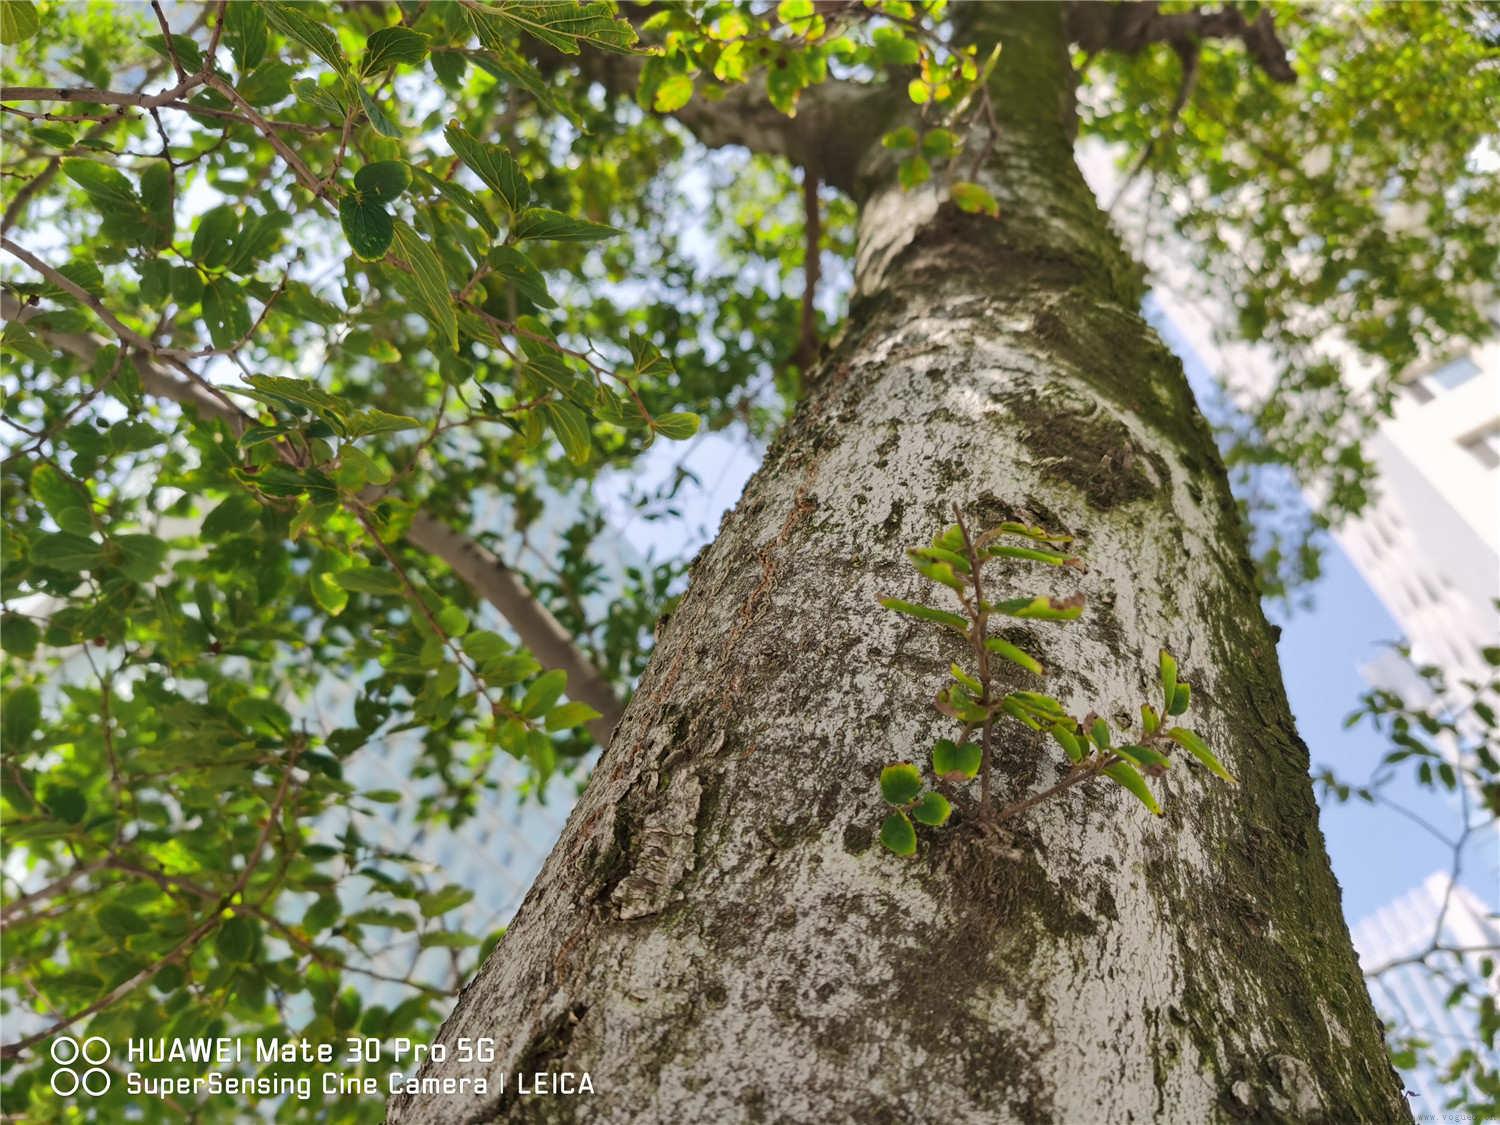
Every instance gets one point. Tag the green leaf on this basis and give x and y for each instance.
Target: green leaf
(484, 646)
(267, 84)
(368, 227)
(23, 712)
(1150, 720)
(327, 592)
(66, 803)
(1039, 534)
(282, 389)
(466, 200)
(391, 46)
(1042, 609)
(67, 503)
(516, 268)
(235, 939)
(933, 809)
(245, 29)
(903, 137)
(1199, 749)
(105, 186)
(952, 762)
(1067, 737)
(975, 199)
(453, 620)
(565, 24)
(383, 181)
(189, 56)
(369, 580)
(967, 680)
(897, 834)
(1029, 554)
(1181, 697)
(121, 921)
(1168, 669)
(926, 613)
(543, 692)
(1099, 734)
(572, 429)
(893, 48)
(322, 914)
(66, 552)
(290, 21)
(941, 554)
(1129, 777)
(371, 470)
(380, 121)
(939, 144)
(143, 556)
(570, 715)
(900, 783)
(18, 21)
(1039, 704)
(373, 421)
(437, 301)
(913, 172)
(259, 236)
(939, 572)
(673, 92)
(19, 635)
(679, 425)
(1014, 655)
(554, 226)
(491, 163)
(187, 285)
(1145, 756)
(441, 901)
(226, 314)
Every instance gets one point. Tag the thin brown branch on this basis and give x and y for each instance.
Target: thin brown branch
(1128, 28)
(285, 151)
(18, 906)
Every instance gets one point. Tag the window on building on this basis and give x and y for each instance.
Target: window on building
(1452, 374)
(1484, 445)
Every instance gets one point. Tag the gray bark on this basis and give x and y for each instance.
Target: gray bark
(718, 936)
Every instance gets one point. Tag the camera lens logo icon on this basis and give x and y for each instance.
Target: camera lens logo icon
(79, 1066)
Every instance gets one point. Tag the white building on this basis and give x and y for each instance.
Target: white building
(1430, 544)
(1413, 997)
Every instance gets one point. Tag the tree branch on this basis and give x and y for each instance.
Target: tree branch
(1127, 28)
(480, 569)
(837, 122)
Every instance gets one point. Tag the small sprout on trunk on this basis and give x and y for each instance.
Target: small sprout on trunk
(957, 560)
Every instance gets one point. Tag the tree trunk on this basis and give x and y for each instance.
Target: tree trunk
(718, 936)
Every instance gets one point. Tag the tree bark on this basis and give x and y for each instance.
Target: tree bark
(719, 937)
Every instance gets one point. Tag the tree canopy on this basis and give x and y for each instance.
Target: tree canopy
(313, 310)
